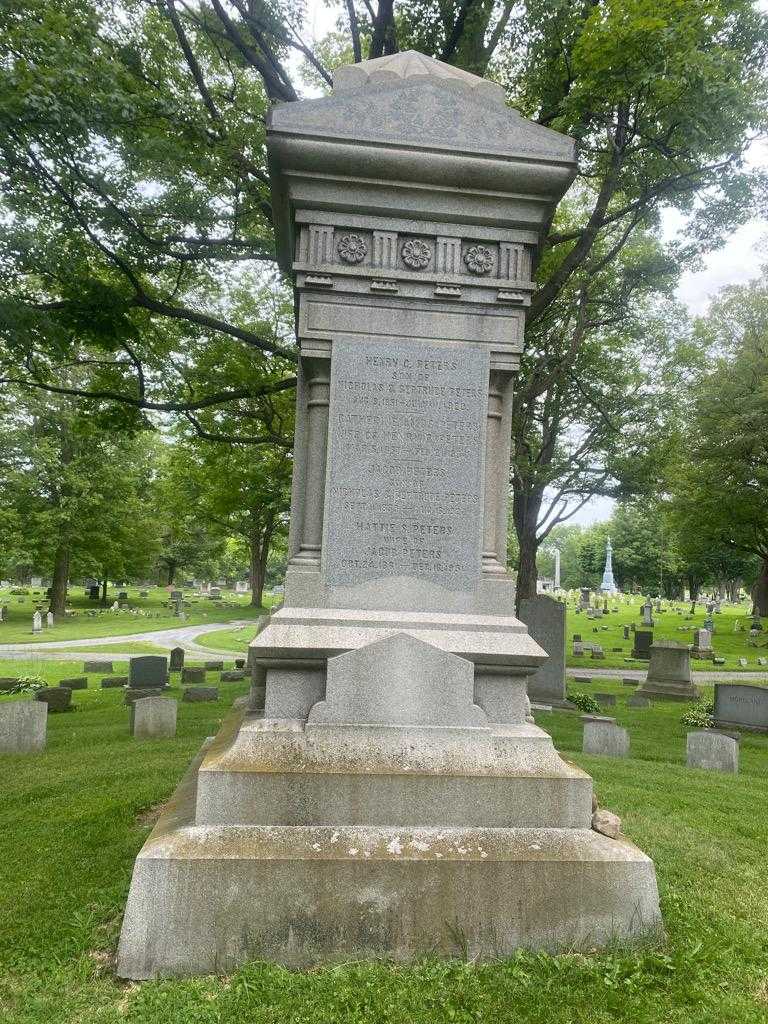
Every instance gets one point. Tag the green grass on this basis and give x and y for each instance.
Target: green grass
(228, 639)
(153, 614)
(725, 642)
(129, 647)
(71, 825)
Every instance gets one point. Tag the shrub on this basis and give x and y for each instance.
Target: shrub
(28, 684)
(583, 701)
(700, 715)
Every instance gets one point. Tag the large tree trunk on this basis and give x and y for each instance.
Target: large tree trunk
(259, 542)
(58, 600)
(525, 513)
(760, 591)
(172, 567)
(104, 584)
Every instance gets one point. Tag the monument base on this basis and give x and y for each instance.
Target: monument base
(657, 689)
(205, 899)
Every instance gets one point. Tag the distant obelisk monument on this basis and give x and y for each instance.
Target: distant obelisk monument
(386, 792)
(608, 586)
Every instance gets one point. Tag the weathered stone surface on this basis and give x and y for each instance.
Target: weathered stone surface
(608, 699)
(148, 670)
(712, 750)
(193, 676)
(214, 666)
(8, 683)
(642, 644)
(78, 683)
(176, 659)
(742, 705)
(97, 666)
(23, 726)
(669, 673)
(638, 701)
(604, 737)
(114, 682)
(607, 823)
(545, 619)
(197, 694)
(153, 718)
(232, 676)
(58, 698)
(133, 693)
(627, 681)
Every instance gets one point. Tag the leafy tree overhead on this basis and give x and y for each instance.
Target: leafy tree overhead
(136, 197)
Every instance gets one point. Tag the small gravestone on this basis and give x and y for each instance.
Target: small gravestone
(215, 594)
(240, 662)
(603, 737)
(58, 698)
(626, 681)
(177, 659)
(214, 666)
(153, 718)
(93, 593)
(194, 676)
(578, 649)
(638, 701)
(132, 693)
(608, 699)
(545, 620)
(743, 662)
(642, 646)
(37, 623)
(232, 676)
(625, 631)
(97, 666)
(77, 683)
(22, 727)
(176, 595)
(741, 705)
(122, 596)
(762, 661)
(149, 670)
(113, 682)
(198, 694)
(597, 652)
(669, 673)
(713, 751)
(718, 661)
(702, 644)
(49, 619)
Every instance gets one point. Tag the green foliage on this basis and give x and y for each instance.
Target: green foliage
(700, 715)
(583, 700)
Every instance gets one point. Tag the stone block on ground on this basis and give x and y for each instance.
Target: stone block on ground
(114, 682)
(153, 718)
(545, 619)
(77, 683)
(97, 666)
(669, 673)
(741, 705)
(193, 676)
(638, 701)
(608, 699)
(58, 698)
(214, 666)
(233, 676)
(199, 694)
(147, 671)
(626, 681)
(604, 737)
(133, 693)
(712, 750)
(606, 823)
(23, 726)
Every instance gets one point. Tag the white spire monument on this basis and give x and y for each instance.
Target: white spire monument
(608, 586)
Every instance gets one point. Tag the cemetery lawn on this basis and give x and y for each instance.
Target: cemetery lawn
(726, 643)
(228, 639)
(151, 614)
(73, 818)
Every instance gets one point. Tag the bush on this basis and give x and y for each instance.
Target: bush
(583, 701)
(28, 684)
(700, 715)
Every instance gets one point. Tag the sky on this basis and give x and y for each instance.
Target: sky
(739, 260)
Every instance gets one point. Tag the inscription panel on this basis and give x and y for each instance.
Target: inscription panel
(741, 704)
(405, 474)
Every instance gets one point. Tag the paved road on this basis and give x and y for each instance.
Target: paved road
(640, 673)
(76, 650)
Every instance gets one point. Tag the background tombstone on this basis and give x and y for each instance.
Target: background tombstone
(97, 666)
(602, 736)
(23, 726)
(545, 620)
(669, 673)
(37, 623)
(153, 718)
(75, 683)
(702, 644)
(193, 676)
(638, 701)
(49, 618)
(200, 694)
(58, 698)
(177, 659)
(147, 671)
(741, 705)
(713, 751)
(642, 644)
(93, 593)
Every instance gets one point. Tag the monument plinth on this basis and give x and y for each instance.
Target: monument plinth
(386, 792)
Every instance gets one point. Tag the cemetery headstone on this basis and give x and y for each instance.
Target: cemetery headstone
(49, 618)
(58, 698)
(77, 683)
(642, 644)
(193, 676)
(411, 240)
(114, 682)
(625, 632)
(214, 666)
(132, 694)
(638, 701)
(146, 671)
(23, 726)
(545, 620)
(199, 694)
(97, 666)
(93, 593)
(629, 681)
(153, 718)
(177, 659)
(37, 623)
(598, 654)
(713, 751)
(233, 676)
(606, 699)
(604, 737)
(239, 662)
(669, 673)
(741, 705)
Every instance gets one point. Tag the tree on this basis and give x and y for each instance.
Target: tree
(721, 491)
(131, 148)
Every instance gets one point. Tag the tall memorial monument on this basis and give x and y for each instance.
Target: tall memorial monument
(386, 793)
(608, 585)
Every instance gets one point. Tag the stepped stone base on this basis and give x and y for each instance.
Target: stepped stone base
(204, 899)
(657, 689)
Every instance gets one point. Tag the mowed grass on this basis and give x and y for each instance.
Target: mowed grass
(73, 818)
(608, 632)
(235, 640)
(151, 614)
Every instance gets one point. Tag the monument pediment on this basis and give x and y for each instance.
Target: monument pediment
(414, 101)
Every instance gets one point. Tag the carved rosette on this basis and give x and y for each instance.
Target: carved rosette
(416, 254)
(478, 259)
(351, 249)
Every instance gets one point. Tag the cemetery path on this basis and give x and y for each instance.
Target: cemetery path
(699, 676)
(73, 650)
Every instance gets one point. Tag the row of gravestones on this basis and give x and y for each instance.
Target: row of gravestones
(705, 748)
